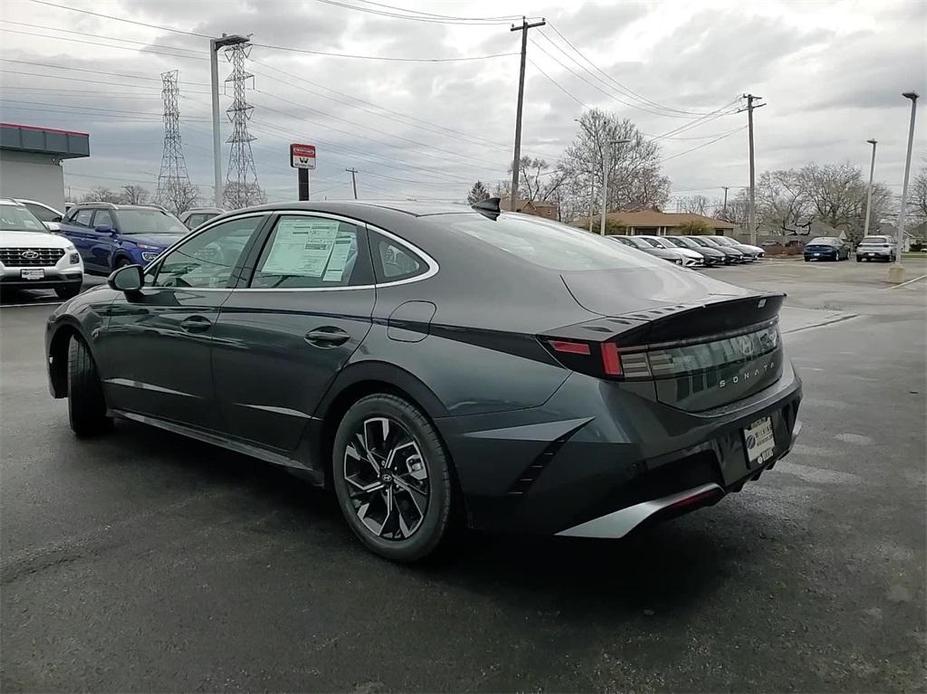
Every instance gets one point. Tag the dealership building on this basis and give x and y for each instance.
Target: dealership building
(30, 161)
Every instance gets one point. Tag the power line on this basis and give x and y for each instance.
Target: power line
(506, 18)
(356, 56)
(147, 25)
(290, 49)
(422, 16)
(704, 144)
(618, 84)
(96, 71)
(556, 83)
(99, 36)
(84, 42)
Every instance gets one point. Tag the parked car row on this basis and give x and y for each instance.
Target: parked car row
(876, 247)
(695, 250)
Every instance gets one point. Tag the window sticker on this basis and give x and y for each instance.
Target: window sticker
(301, 247)
(339, 258)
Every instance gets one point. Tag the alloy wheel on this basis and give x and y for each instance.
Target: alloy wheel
(387, 478)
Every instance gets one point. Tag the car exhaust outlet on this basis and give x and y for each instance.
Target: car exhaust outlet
(619, 523)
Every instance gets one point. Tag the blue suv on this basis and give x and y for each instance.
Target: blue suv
(109, 236)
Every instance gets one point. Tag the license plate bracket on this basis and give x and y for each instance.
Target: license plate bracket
(32, 273)
(759, 441)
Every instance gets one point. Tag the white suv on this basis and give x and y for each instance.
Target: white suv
(33, 258)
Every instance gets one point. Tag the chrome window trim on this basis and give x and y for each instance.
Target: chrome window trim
(432, 264)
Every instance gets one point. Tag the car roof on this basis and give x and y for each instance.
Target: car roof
(412, 208)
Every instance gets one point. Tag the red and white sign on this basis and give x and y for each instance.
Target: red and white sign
(302, 156)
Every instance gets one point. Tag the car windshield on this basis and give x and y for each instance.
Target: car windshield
(822, 241)
(18, 218)
(677, 242)
(722, 241)
(704, 243)
(548, 244)
(149, 221)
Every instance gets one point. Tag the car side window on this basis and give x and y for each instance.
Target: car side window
(393, 261)
(43, 214)
(103, 217)
(82, 217)
(307, 252)
(207, 259)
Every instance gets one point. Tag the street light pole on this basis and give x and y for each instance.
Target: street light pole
(896, 272)
(606, 165)
(869, 192)
(214, 46)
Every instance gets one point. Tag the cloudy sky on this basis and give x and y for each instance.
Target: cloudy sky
(831, 73)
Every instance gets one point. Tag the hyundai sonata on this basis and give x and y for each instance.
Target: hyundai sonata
(438, 363)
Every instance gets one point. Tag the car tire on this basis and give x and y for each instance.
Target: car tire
(86, 405)
(121, 262)
(858, 259)
(383, 504)
(65, 293)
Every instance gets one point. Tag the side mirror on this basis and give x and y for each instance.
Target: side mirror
(104, 228)
(56, 218)
(129, 278)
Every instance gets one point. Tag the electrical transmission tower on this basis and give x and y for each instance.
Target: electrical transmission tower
(241, 184)
(174, 188)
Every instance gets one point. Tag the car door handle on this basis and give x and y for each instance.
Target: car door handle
(327, 337)
(196, 324)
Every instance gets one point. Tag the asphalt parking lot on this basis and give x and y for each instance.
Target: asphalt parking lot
(144, 562)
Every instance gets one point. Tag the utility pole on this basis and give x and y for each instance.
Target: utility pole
(513, 194)
(591, 203)
(214, 46)
(896, 272)
(869, 192)
(724, 206)
(353, 180)
(751, 212)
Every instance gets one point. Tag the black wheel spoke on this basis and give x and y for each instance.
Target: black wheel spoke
(387, 478)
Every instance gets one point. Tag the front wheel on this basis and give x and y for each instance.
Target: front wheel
(86, 405)
(392, 478)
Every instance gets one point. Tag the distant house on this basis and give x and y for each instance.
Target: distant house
(654, 223)
(539, 208)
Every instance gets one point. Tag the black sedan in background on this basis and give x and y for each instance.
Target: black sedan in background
(438, 364)
(731, 255)
(826, 248)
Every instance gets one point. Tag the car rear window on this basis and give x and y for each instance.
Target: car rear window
(874, 240)
(549, 244)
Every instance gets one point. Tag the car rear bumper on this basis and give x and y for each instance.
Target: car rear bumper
(875, 255)
(627, 462)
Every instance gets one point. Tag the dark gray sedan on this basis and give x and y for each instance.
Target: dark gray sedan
(439, 364)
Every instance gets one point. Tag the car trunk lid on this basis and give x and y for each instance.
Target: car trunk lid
(699, 342)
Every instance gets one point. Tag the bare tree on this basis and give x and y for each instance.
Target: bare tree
(101, 194)
(635, 180)
(782, 200)
(918, 194)
(134, 195)
(695, 204)
(180, 197)
(537, 180)
(238, 195)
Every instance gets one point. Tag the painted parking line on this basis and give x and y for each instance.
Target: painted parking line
(916, 279)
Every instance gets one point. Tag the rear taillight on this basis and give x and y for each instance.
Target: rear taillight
(611, 360)
(599, 359)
